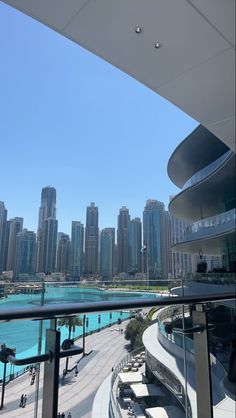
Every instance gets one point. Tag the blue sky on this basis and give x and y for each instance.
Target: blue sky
(73, 121)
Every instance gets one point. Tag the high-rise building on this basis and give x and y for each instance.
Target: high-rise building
(14, 226)
(25, 253)
(122, 240)
(49, 245)
(48, 205)
(107, 252)
(77, 249)
(134, 246)
(91, 240)
(182, 263)
(166, 245)
(3, 225)
(154, 238)
(63, 254)
(47, 210)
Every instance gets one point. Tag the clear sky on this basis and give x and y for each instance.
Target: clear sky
(70, 120)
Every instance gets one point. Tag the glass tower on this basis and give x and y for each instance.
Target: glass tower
(77, 249)
(122, 239)
(25, 253)
(153, 220)
(47, 211)
(91, 240)
(135, 245)
(3, 224)
(107, 247)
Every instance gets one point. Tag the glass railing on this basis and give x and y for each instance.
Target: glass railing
(206, 171)
(176, 334)
(222, 334)
(222, 222)
(58, 375)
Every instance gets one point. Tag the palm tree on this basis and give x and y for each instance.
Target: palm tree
(71, 322)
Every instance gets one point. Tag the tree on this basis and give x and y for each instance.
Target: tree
(71, 322)
(134, 331)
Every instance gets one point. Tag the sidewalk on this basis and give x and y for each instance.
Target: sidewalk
(77, 393)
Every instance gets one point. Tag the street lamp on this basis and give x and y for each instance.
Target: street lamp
(85, 331)
(145, 252)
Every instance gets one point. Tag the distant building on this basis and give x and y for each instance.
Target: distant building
(47, 210)
(63, 254)
(134, 246)
(91, 240)
(14, 226)
(166, 245)
(77, 249)
(25, 253)
(49, 245)
(3, 225)
(107, 252)
(154, 235)
(122, 240)
(182, 263)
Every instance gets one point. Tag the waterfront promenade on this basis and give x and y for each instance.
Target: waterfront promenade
(76, 394)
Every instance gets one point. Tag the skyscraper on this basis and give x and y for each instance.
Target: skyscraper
(47, 210)
(107, 252)
(3, 224)
(91, 240)
(48, 205)
(154, 237)
(122, 240)
(166, 245)
(49, 245)
(134, 246)
(182, 263)
(77, 249)
(25, 253)
(14, 226)
(63, 254)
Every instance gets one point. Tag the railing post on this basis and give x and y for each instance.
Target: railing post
(51, 375)
(202, 365)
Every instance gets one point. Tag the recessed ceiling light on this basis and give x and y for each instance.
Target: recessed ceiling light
(138, 29)
(157, 45)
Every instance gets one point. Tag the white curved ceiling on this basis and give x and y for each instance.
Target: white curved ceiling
(194, 67)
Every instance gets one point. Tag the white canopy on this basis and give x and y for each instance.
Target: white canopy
(142, 390)
(166, 412)
(132, 377)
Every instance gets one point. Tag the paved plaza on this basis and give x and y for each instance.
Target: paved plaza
(76, 394)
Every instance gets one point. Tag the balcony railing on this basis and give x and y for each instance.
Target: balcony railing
(53, 350)
(211, 226)
(206, 171)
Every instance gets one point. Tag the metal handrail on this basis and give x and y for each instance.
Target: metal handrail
(62, 310)
(114, 407)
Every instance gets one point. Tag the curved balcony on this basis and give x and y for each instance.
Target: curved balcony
(209, 234)
(199, 201)
(194, 153)
(206, 171)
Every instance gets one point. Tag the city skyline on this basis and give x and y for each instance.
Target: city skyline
(89, 250)
(80, 221)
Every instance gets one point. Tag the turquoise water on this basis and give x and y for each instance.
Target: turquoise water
(23, 335)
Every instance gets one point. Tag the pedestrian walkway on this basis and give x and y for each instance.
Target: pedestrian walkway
(76, 394)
